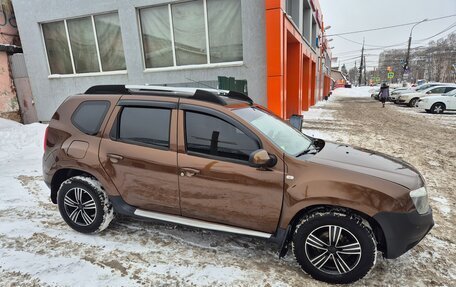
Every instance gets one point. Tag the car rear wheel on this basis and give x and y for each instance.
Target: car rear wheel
(438, 108)
(84, 205)
(334, 246)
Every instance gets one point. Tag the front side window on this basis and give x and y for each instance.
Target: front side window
(439, 90)
(449, 89)
(192, 33)
(149, 126)
(281, 134)
(209, 135)
(84, 45)
(451, 93)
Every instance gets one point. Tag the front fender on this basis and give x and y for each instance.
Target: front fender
(341, 194)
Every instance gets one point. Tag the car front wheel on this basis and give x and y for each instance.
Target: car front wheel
(84, 205)
(334, 246)
(438, 108)
(413, 102)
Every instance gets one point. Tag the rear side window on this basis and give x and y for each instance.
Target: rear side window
(209, 135)
(148, 126)
(89, 115)
(449, 89)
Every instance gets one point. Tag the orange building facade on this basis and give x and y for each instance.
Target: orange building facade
(298, 68)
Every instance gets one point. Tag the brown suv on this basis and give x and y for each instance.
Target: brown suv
(214, 159)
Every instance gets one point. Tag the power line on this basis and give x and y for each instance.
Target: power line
(402, 43)
(389, 27)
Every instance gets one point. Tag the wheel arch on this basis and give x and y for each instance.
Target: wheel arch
(63, 174)
(376, 228)
(444, 106)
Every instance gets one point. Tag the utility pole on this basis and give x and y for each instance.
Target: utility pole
(361, 65)
(365, 74)
(407, 57)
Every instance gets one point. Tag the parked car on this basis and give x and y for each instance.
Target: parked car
(439, 104)
(216, 160)
(411, 99)
(395, 94)
(420, 88)
(374, 92)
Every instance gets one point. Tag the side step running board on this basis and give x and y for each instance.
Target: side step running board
(200, 223)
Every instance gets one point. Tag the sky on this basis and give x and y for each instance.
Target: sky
(354, 15)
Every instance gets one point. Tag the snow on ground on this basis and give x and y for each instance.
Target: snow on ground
(353, 92)
(37, 248)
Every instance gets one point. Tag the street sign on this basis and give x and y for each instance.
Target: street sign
(390, 75)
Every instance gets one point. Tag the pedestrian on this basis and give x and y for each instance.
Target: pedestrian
(384, 93)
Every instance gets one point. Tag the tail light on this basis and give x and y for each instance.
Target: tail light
(45, 139)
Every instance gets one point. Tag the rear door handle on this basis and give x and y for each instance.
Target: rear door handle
(189, 172)
(114, 158)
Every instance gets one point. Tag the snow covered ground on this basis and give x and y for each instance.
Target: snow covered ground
(37, 248)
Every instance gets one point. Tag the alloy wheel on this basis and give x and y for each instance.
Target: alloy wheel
(333, 249)
(438, 109)
(80, 206)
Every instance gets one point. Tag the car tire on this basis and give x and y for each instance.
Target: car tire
(438, 108)
(84, 205)
(413, 102)
(346, 258)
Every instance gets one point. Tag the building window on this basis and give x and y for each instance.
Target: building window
(191, 33)
(84, 45)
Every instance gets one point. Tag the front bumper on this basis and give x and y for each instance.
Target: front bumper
(403, 230)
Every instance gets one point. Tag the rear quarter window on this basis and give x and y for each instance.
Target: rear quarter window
(89, 116)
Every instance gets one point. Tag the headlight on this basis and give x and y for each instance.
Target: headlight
(420, 199)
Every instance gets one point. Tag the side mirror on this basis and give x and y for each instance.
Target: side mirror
(296, 122)
(261, 158)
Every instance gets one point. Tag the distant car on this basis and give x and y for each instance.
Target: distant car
(420, 82)
(420, 88)
(411, 99)
(374, 92)
(439, 104)
(395, 93)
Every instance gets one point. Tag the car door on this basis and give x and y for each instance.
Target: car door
(139, 152)
(452, 101)
(216, 182)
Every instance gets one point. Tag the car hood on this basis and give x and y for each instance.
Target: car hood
(369, 162)
(414, 94)
(405, 91)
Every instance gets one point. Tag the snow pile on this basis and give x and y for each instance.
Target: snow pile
(20, 145)
(353, 92)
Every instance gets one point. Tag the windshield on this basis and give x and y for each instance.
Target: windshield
(281, 134)
(423, 87)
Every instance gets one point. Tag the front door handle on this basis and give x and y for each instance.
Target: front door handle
(114, 158)
(189, 172)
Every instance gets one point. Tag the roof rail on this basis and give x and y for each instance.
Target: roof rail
(201, 94)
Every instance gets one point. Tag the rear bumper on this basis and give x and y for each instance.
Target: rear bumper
(403, 230)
